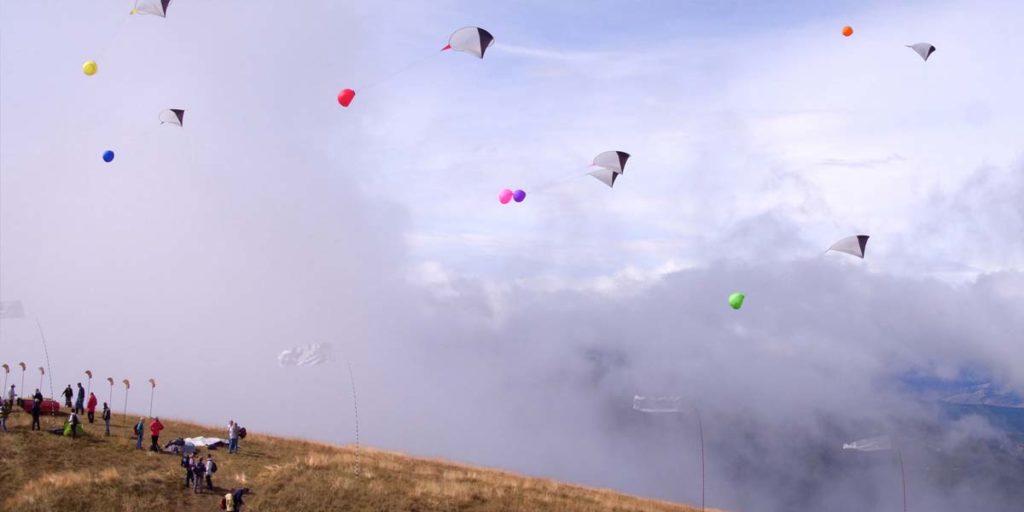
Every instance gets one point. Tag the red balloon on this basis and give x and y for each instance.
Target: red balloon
(345, 97)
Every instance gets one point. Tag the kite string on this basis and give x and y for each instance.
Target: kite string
(412, 64)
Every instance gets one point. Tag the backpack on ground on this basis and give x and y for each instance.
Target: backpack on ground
(223, 503)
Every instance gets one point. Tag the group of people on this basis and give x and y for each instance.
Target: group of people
(81, 405)
(198, 470)
(7, 406)
(73, 420)
(155, 427)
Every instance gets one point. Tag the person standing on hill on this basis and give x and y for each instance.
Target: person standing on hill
(211, 468)
(12, 395)
(233, 432)
(140, 430)
(154, 428)
(5, 411)
(91, 407)
(73, 420)
(37, 407)
(199, 471)
(106, 419)
(80, 402)
(68, 395)
(187, 462)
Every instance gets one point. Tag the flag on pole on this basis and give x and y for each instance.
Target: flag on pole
(11, 309)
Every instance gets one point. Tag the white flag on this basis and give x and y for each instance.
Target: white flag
(11, 309)
(871, 444)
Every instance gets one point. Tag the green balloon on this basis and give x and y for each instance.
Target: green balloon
(736, 300)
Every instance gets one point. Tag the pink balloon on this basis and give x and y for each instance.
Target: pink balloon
(505, 196)
(345, 97)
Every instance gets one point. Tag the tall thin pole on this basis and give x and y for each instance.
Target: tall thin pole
(355, 408)
(46, 352)
(903, 477)
(21, 393)
(126, 401)
(151, 391)
(700, 428)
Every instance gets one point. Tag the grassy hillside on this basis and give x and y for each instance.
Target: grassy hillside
(45, 472)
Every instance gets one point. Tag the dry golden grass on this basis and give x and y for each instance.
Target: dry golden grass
(44, 472)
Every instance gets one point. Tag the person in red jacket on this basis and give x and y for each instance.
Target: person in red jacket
(91, 407)
(154, 428)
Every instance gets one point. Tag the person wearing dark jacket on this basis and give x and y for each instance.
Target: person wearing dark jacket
(198, 470)
(37, 407)
(68, 395)
(80, 401)
(188, 463)
(5, 411)
(106, 419)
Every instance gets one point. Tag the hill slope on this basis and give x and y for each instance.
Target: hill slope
(45, 472)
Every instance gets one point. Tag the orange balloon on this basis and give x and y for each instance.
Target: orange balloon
(847, 31)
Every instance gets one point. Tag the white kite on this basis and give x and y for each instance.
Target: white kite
(853, 245)
(871, 444)
(306, 355)
(925, 50)
(609, 166)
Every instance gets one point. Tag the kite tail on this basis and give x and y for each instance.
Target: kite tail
(559, 181)
(393, 74)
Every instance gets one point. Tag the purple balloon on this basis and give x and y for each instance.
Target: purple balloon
(519, 195)
(505, 196)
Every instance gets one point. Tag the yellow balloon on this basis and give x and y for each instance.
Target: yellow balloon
(89, 68)
(133, 11)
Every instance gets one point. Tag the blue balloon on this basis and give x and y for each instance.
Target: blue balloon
(108, 156)
(518, 196)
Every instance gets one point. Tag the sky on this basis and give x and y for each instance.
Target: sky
(515, 335)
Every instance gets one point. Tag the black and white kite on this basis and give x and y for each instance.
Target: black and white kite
(925, 50)
(855, 245)
(472, 40)
(175, 116)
